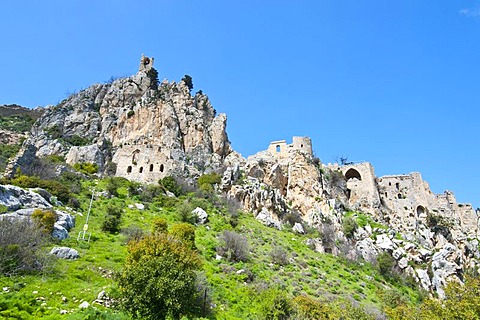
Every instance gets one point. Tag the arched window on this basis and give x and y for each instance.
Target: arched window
(140, 170)
(352, 173)
(161, 168)
(129, 169)
(277, 148)
(151, 167)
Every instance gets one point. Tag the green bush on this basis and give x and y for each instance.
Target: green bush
(184, 232)
(45, 219)
(112, 220)
(158, 278)
(208, 181)
(385, 263)
(170, 184)
(349, 227)
(130, 113)
(159, 225)
(76, 140)
(86, 167)
(56, 188)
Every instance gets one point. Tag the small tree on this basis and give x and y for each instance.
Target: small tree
(153, 76)
(113, 219)
(158, 279)
(188, 81)
(208, 181)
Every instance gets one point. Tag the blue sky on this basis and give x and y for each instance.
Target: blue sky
(395, 83)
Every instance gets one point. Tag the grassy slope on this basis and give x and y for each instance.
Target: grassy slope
(318, 275)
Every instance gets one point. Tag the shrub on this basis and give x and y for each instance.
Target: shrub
(112, 220)
(86, 167)
(56, 188)
(133, 233)
(385, 264)
(159, 225)
(158, 278)
(3, 208)
(45, 219)
(76, 140)
(274, 304)
(130, 113)
(188, 81)
(234, 246)
(279, 256)
(208, 181)
(310, 309)
(349, 227)
(184, 210)
(20, 241)
(170, 184)
(153, 76)
(184, 232)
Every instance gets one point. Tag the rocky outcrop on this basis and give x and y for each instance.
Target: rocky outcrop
(21, 204)
(148, 131)
(431, 237)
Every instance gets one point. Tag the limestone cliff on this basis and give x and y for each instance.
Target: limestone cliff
(134, 128)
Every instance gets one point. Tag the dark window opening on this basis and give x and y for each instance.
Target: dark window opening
(399, 196)
(151, 167)
(397, 185)
(161, 168)
(140, 170)
(129, 169)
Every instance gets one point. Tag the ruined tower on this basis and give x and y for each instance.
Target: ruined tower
(146, 63)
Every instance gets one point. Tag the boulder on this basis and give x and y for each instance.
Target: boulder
(65, 252)
(201, 215)
(298, 228)
(384, 242)
(264, 217)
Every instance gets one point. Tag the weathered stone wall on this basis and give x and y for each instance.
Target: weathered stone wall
(143, 163)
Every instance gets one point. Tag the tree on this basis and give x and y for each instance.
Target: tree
(113, 219)
(188, 81)
(158, 280)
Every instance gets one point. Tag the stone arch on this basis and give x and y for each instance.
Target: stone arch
(352, 173)
(129, 169)
(162, 167)
(135, 156)
(277, 148)
(421, 211)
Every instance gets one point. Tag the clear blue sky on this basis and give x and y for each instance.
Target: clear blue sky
(395, 83)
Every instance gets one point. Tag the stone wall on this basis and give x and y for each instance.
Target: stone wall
(142, 163)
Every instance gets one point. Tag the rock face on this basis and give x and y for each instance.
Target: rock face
(21, 203)
(133, 128)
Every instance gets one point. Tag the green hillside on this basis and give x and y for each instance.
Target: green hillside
(278, 269)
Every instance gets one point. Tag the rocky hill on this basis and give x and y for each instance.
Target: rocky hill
(133, 127)
(143, 130)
